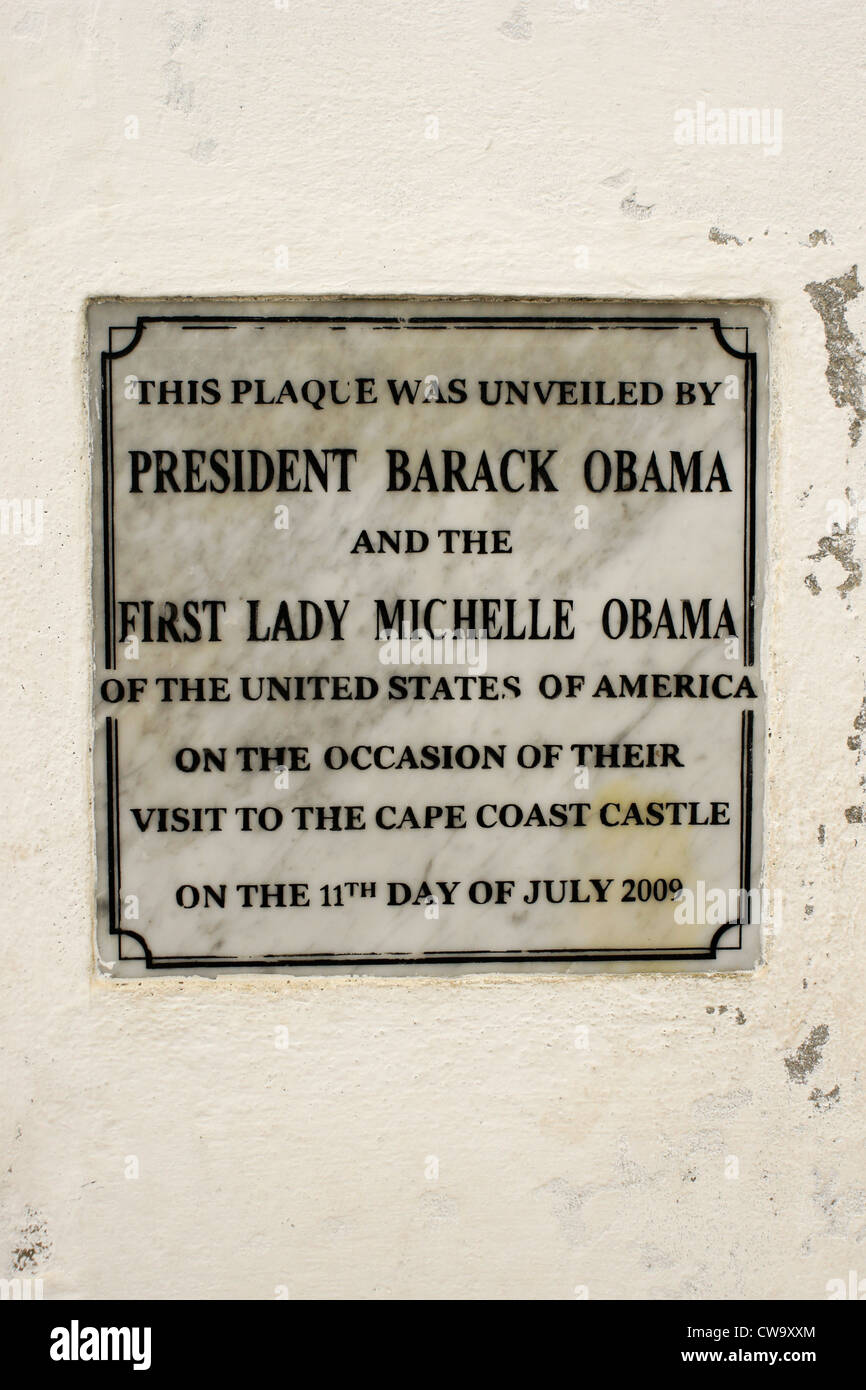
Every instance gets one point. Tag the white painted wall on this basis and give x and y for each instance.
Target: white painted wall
(304, 127)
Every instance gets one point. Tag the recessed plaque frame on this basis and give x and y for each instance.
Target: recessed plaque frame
(177, 544)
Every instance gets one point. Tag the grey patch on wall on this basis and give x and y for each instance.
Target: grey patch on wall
(337, 1226)
(844, 352)
(717, 1107)
(518, 26)
(567, 1203)
(30, 26)
(178, 31)
(438, 1209)
(204, 151)
(179, 94)
(723, 238)
(34, 1246)
(653, 1257)
(629, 1173)
(807, 1056)
(709, 1143)
(632, 208)
(841, 546)
(841, 1209)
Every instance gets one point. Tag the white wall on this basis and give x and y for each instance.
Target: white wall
(304, 126)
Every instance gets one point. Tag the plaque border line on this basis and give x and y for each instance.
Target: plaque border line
(585, 322)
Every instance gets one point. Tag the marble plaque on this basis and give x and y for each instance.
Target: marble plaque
(427, 635)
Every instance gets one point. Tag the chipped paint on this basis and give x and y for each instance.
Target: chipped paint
(825, 1100)
(807, 1056)
(855, 739)
(840, 545)
(723, 238)
(830, 299)
(34, 1246)
(632, 208)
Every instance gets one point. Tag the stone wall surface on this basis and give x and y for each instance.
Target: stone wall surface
(263, 148)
